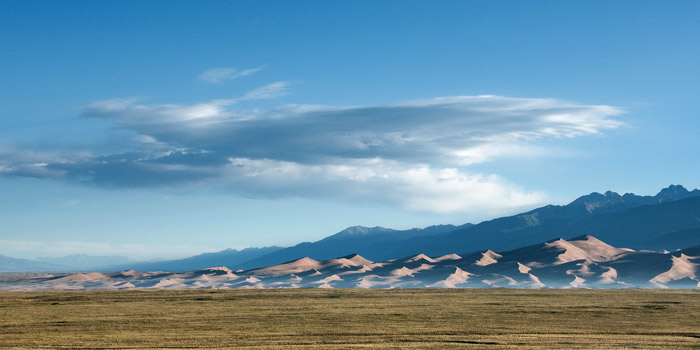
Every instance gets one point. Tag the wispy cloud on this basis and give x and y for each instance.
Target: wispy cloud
(218, 75)
(459, 130)
(415, 153)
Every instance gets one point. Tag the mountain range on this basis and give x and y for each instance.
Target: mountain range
(581, 262)
(670, 220)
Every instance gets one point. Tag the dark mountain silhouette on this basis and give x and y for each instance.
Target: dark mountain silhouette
(670, 220)
(228, 257)
(370, 242)
(627, 220)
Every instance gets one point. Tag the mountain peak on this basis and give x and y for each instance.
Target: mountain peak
(596, 200)
(611, 201)
(672, 193)
(362, 230)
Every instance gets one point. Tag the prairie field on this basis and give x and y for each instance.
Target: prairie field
(351, 318)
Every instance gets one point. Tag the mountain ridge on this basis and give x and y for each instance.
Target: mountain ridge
(613, 217)
(583, 262)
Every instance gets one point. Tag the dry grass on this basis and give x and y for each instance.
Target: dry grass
(342, 319)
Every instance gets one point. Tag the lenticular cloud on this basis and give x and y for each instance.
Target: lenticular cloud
(415, 153)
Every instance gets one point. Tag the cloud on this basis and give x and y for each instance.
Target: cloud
(460, 130)
(415, 187)
(415, 154)
(218, 75)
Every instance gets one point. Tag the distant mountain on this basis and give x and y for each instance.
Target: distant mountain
(582, 262)
(228, 257)
(628, 220)
(8, 264)
(670, 220)
(82, 262)
(371, 242)
(596, 203)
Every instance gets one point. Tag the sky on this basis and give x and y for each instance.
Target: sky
(153, 129)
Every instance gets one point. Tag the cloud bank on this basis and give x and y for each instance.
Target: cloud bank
(415, 154)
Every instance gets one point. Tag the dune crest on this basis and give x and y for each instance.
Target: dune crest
(421, 257)
(487, 258)
(578, 282)
(682, 268)
(448, 257)
(523, 268)
(536, 284)
(591, 249)
(609, 276)
(296, 266)
(458, 277)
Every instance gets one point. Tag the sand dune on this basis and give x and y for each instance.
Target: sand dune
(682, 268)
(591, 248)
(404, 271)
(523, 269)
(458, 277)
(447, 257)
(609, 276)
(329, 279)
(584, 270)
(82, 277)
(535, 281)
(500, 280)
(296, 266)
(168, 282)
(578, 282)
(420, 257)
(549, 265)
(487, 258)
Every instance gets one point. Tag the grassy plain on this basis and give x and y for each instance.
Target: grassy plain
(343, 319)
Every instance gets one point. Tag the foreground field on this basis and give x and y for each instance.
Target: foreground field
(342, 319)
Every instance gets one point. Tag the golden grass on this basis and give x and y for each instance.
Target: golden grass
(352, 318)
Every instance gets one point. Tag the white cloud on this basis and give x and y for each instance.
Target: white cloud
(218, 75)
(415, 154)
(272, 90)
(459, 130)
(414, 187)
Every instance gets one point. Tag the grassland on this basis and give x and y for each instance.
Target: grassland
(343, 319)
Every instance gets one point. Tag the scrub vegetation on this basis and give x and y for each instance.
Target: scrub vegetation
(352, 318)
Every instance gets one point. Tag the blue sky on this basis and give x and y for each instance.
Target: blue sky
(163, 129)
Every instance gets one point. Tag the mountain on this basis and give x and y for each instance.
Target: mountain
(371, 242)
(630, 220)
(669, 220)
(8, 264)
(228, 257)
(596, 203)
(581, 262)
(82, 262)
(669, 225)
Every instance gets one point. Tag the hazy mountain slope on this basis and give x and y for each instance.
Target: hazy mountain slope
(82, 262)
(628, 220)
(639, 227)
(372, 243)
(669, 220)
(228, 257)
(581, 262)
(8, 264)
